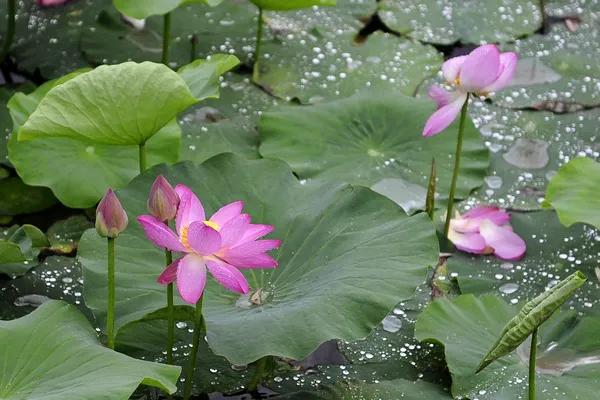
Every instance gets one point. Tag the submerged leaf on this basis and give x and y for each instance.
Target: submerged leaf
(532, 315)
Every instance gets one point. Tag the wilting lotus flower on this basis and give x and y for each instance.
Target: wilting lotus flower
(484, 70)
(111, 219)
(486, 230)
(222, 244)
(50, 3)
(163, 200)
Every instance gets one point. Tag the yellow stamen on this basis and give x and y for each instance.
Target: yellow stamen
(184, 237)
(213, 225)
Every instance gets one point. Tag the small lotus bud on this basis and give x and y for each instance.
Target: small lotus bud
(111, 218)
(163, 200)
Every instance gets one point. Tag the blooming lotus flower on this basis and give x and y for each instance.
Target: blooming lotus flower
(50, 3)
(486, 230)
(163, 200)
(221, 244)
(111, 218)
(484, 70)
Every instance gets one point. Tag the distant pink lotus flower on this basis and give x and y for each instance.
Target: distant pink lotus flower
(222, 244)
(484, 70)
(50, 3)
(486, 230)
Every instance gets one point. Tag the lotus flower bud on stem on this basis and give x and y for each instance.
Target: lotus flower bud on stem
(111, 218)
(163, 201)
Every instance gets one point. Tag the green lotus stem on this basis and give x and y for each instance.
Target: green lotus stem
(532, 360)
(459, 143)
(259, 373)
(142, 149)
(259, 32)
(198, 329)
(10, 29)
(166, 38)
(170, 312)
(110, 310)
(543, 11)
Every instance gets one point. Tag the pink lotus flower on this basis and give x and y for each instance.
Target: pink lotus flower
(486, 230)
(50, 3)
(111, 218)
(222, 244)
(484, 70)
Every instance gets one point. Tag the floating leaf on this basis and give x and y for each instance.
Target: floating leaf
(147, 8)
(291, 4)
(449, 21)
(19, 248)
(348, 256)
(47, 38)
(91, 167)
(568, 351)
(18, 198)
(318, 67)
(68, 362)
(573, 192)
(197, 31)
(64, 235)
(202, 76)
(123, 104)
(532, 315)
(394, 389)
(361, 140)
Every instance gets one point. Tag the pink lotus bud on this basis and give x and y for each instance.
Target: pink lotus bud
(163, 200)
(111, 218)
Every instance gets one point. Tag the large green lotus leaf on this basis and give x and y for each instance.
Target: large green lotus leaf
(18, 198)
(196, 31)
(553, 253)
(316, 67)
(472, 21)
(527, 148)
(557, 71)
(291, 4)
(327, 269)
(394, 389)
(147, 8)
(573, 192)
(568, 354)
(372, 139)
(92, 167)
(54, 354)
(123, 104)
(571, 8)
(202, 76)
(47, 38)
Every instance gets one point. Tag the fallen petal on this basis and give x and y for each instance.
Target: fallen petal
(507, 245)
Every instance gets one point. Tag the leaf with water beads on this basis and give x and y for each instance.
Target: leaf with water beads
(532, 315)
(144, 9)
